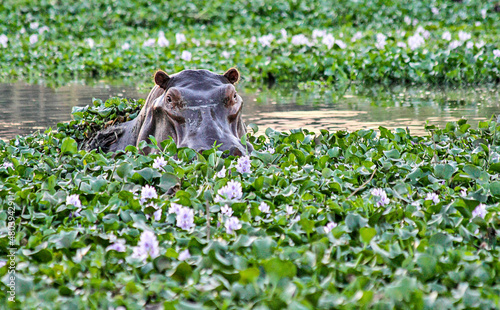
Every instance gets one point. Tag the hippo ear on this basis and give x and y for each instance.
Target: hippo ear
(232, 75)
(161, 79)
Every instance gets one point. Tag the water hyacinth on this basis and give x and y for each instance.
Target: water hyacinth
(159, 163)
(479, 211)
(157, 213)
(340, 44)
(464, 36)
(184, 255)
(125, 46)
(432, 196)
(415, 41)
(328, 227)
(148, 192)
(266, 40)
(149, 43)
(222, 172)
(300, 39)
(148, 246)
(3, 40)
(381, 41)
(232, 224)
(264, 207)
(90, 42)
(185, 218)
(496, 53)
(446, 36)
(284, 34)
(174, 208)
(186, 55)
(383, 200)
(33, 39)
(358, 35)
(328, 40)
(232, 191)
(226, 210)
(8, 165)
(74, 200)
(162, 41)
(243, 165)
(318, 33)
(118, 246)
(225, 54)
(289, 210)
(454, 44)
(180, 38)
(463, 192)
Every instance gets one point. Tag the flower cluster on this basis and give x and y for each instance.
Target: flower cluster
(226, 210)
(328, 227)
(148, 246)
(232, 191)
(264, 207)
(222, 172)
(159, 163)
(185, 218)
(243, 165)
(232, 224)
(479, 211)
(148, 192)
(432, 196)
(382, 195)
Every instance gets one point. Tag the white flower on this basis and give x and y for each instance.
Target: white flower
(358, 35)
(478, 24)
(186, 56)
(496, 53)
(232, 224)
(159, 163)
(148, 192)
(340, 44)
(300, 39)
(328, 40)
(197, 42)
(184, 255)
(434, 11)
(383, 200)
(147, 246)
(328, 228)
(283, 33)
(318, 33)
(41, 30)
(401, 44)
(266, 40)
(446, 36)
(480, 44)
(483, 13)
(8, 165)
(264, 207)
(180, 38)
(270, 150)
(432, 196)
(479, 211)
(407, 20)
(118, 246)
(222, 172)
(380, 44)
(454, 44)
(225, 54)
(125, 46)
(157, 213)
(469, 45)
(33, 39)
(3, 40)
(34, 25)
(162, 41)
(464, 36)
(90, 42)
(232, 190)
(416, 204)
(426, 34)
(185, 218)
(415, 41)
(289, 210)
(74, 200)
(243, 165)
(463, 192)
(3, 263)
(149, 43)
(174, 208)
(226, 210)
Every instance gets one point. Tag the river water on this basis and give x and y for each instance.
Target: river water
(26, 108)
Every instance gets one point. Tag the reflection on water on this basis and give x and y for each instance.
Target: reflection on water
(26, 108)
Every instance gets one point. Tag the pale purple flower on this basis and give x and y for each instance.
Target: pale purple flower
(401, 44)
(162, 41)
(34, 25)
(197, 42)
(328, 40)
(232, 191)
(73, 200)
(383, 200)
(434, 11)
(289, 210)
(264, 207)
(149, 42)
(479, 211)
(340, 44)
(225, 54)
(3, 263)
(185, 218)
(125, 46)
(480, 44)
(464, 36)
(159, 163)
(243, 165)
(118, 246)
(266, 40)
(33, 39)
(186, 55)
(380, 44)
(222, 172)
(175, 208)
(318, 33)
(454, 44)
(180, 38)
(421, 30)
(232, 224)
(496, 53)
(483, 13)
(3, 40)
(42, 29)
(270, 150)
(300, 39)
(446, 36)
(226, 210)
(184, 255)
(407, 20)
(358, 35)
(415, 41)
(148, 192)
(463, 192)
(283, 33)
(469, 45)
(416, 204)
(8, 165)
(328, 228)
(90, 42)
(157, 213)
(148, 246)
(432, 196)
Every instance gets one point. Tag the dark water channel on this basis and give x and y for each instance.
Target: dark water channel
(26, 108)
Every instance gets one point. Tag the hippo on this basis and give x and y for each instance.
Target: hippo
(197, 108)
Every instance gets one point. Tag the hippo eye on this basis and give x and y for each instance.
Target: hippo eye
(169, 99)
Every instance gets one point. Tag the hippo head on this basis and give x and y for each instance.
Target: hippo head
(198, 109)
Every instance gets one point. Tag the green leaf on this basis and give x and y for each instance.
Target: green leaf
(69, 146)
(168, 181)
(367, 234)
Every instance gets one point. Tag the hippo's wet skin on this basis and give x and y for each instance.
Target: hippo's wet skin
(197, 108)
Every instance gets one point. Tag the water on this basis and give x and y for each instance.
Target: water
(26, 108)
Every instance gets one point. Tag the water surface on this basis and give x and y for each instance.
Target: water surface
(26, 108)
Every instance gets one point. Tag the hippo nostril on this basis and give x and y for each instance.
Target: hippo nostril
(235, 151)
